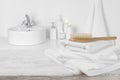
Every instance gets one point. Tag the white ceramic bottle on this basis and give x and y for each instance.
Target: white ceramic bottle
(53, 32)
(61, 32)
(68, 30)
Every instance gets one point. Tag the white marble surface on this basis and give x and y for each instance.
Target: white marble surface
(28, 60)
(31, 60)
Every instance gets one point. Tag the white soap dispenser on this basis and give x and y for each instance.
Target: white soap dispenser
(68, 30)
(61, 31)
(53, 32)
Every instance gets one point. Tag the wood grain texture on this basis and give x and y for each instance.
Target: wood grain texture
(82, 77)
(84, 40)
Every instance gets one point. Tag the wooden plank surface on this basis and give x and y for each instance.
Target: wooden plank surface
(83, 77)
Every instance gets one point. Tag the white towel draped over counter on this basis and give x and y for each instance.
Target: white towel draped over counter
(101, 62)
(91, 47)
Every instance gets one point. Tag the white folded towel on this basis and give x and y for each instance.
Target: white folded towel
(91, 47)
(90, 64)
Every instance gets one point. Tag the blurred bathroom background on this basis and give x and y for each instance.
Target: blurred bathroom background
(43, 12)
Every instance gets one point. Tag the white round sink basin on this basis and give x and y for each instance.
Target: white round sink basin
(24, 37)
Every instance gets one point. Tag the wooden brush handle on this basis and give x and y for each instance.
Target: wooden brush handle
(93, 39)
(104, 38)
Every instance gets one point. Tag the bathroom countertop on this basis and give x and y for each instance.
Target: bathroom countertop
(16, 63)
(30, 60)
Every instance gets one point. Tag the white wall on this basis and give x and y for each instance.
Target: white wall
(44, 11)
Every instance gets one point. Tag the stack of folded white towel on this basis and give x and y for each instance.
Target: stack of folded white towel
(91, 47)
(89, 58)
(93, 58)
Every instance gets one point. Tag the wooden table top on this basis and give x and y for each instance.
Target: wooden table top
(81, 77)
